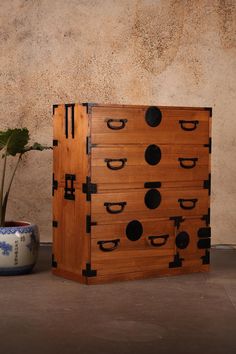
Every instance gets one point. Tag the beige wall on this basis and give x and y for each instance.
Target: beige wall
(160, 52)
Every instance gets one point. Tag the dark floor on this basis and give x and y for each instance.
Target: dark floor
(44, 314)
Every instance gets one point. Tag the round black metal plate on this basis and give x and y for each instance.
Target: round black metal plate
(182, 240)
(134, 230)
(153, 116)
(152, 199)
(153, 154)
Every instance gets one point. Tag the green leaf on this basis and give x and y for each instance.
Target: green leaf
(36, 146)
(14, 140)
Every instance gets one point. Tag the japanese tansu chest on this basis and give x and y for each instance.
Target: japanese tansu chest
(131, 191)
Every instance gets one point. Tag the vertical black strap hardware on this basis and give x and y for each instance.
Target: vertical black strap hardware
(55, 142)
(177, 220)
(69, 187)
(207, 217)
(54, 184)
(89, 145)
(54, 262)
(177, 262)
(72, 106)
(89, 272)
(89, 188)
(209, 145)
(89, 223)
(207, 184)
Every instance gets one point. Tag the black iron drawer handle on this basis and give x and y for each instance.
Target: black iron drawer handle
(193, 160)
(115, 211)
(116, 127)
(191, 203)
(109, 163)
(106, 249)
(191, 124)
(159, 244)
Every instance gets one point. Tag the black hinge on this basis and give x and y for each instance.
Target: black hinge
(54, 184)
(89, 145)
(89, 188)
(206, 257)
(89, 223)
(55, 142)
(88, 272)
(209, 109)
(209, 145)
(54, 262)
(152, 185)
(69, 190)
(177, 262)
(207, 217)
(72, 105)
(89, 106)
(207, 184)
(177, 220)
(54, 223)
(53, 108)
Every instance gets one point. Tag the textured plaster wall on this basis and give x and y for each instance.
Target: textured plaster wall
(163, 52)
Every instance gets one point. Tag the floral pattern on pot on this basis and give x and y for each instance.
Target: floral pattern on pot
(18, 248)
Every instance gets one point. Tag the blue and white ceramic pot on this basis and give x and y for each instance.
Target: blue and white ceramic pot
(19, 244)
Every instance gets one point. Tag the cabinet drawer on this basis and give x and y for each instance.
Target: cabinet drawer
(138, 246)
(148, 163)
(120, 205)
(133, 246)
(124, 125)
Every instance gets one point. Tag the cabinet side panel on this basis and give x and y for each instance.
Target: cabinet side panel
(71, 243)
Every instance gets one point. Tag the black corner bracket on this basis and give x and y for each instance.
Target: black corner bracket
(209, 109)
(54, 263)
(89, 106)
(53, 108)
(54, 223)
(177, 262)
(88, 272)
(206, 257)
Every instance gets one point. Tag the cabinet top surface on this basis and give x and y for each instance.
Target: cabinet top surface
(133, 106)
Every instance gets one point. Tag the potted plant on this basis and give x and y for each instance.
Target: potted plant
(19, 240)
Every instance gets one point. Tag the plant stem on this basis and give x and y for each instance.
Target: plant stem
(4, 206)
(2, 188)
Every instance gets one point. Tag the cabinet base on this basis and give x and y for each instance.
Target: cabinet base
(108, 278)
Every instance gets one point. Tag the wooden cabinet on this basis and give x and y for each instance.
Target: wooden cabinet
(131, 191)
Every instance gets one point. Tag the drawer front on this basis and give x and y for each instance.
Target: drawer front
(123, 125)
(133, 246)
(148, 163)
(192, 241)
(152, 203)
